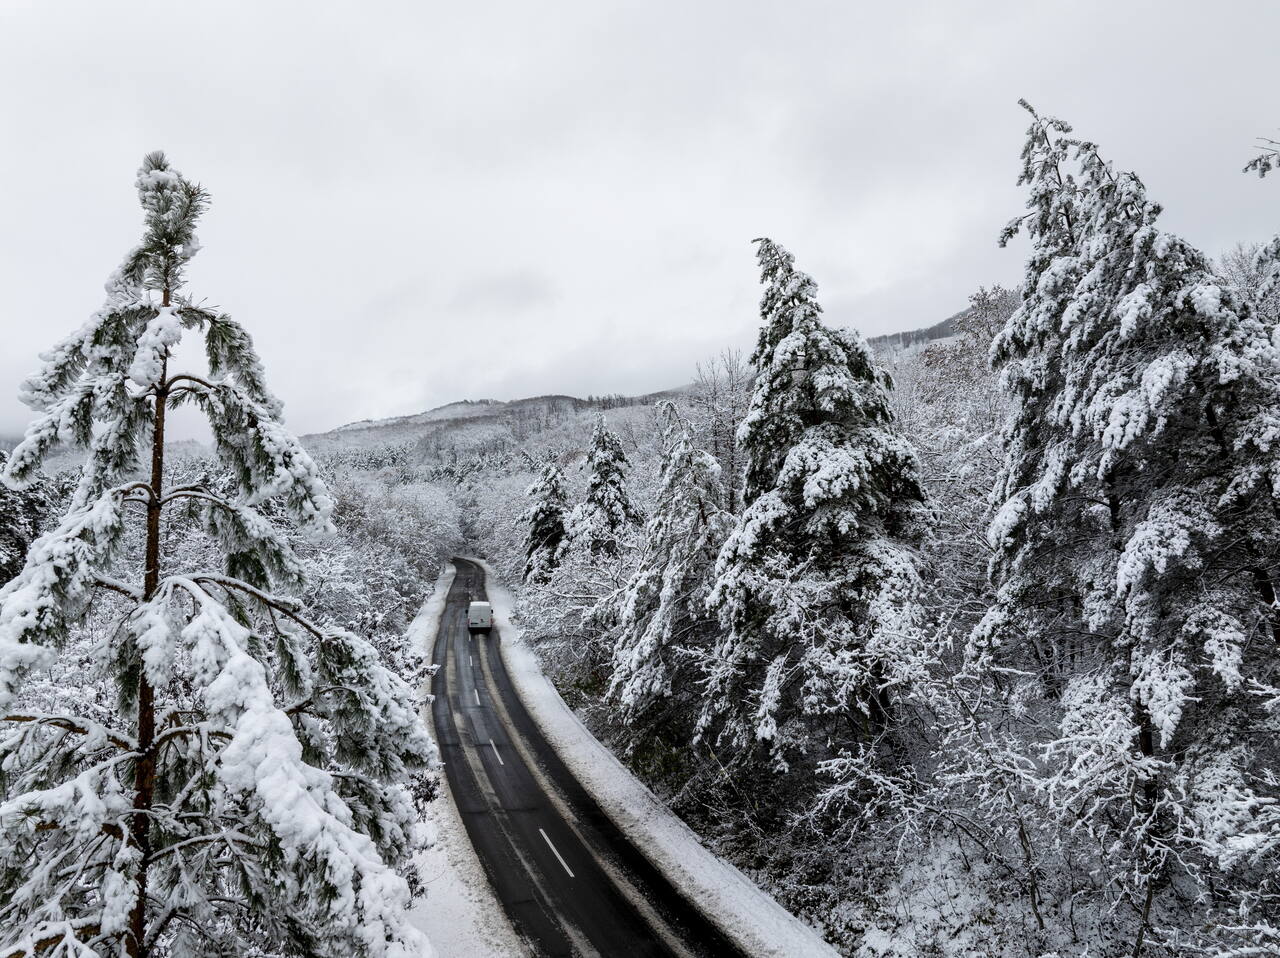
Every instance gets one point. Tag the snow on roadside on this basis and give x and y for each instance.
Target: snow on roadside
(725, 895)
(460, 913)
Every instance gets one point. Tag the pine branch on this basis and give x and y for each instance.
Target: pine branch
(105, 582)
(282, 604)
(189, 378)
(111, 831)
(226, 835)
(1267, 160)
(181, 731)
(195, 492)
(78, 726)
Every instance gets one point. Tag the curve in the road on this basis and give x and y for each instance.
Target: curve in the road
(570, 880)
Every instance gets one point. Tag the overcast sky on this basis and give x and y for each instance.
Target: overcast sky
(420, 202)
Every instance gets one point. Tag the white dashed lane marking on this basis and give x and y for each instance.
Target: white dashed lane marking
(557, 853)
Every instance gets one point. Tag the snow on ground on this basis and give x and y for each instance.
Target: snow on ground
(940, 904)
(728, 897)
(460, 914)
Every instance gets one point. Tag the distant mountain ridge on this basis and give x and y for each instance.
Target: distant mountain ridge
(490, 421)
(461, 409)
(486, 408)
(916, 337)
(470, 427)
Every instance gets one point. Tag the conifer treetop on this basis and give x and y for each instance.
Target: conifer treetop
(95, 386)
(815, 386)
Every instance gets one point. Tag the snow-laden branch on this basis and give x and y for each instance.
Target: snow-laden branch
(95, 732)
(266, 460)
(254, 549)
(1265, 161)
(264, 760)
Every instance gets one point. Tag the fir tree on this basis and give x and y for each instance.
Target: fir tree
(601, 519)
(664, 602)
(546, 523)
(1137, 528)
(249, 791)
(815, 584)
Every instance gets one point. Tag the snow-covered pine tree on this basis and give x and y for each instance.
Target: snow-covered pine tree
(251, 791)
(1028, 352)
(604, 516)
(663, 605)
(545, 520)
(816, 584)
(1136, 539)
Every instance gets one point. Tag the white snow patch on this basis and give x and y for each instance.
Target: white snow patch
(460, 913)
(725, 895)
(161, 335)
(426, 624)
(936, 906)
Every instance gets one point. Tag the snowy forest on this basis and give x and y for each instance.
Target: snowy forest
(958, 647)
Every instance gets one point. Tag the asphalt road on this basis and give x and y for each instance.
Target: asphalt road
(570, 881)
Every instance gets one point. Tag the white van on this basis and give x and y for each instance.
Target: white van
(479, 617)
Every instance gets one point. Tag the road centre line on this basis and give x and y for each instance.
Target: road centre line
(563, 863)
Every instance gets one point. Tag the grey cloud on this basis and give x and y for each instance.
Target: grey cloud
(576, 187)
(503, 292)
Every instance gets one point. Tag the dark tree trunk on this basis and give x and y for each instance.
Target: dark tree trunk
(144, 775)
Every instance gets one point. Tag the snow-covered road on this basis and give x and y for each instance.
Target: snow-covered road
(583, 858)
(568, 878)
(459, 913)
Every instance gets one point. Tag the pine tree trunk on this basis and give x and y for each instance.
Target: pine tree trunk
(1148, 801)
(144, 775)
(1150, 794)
